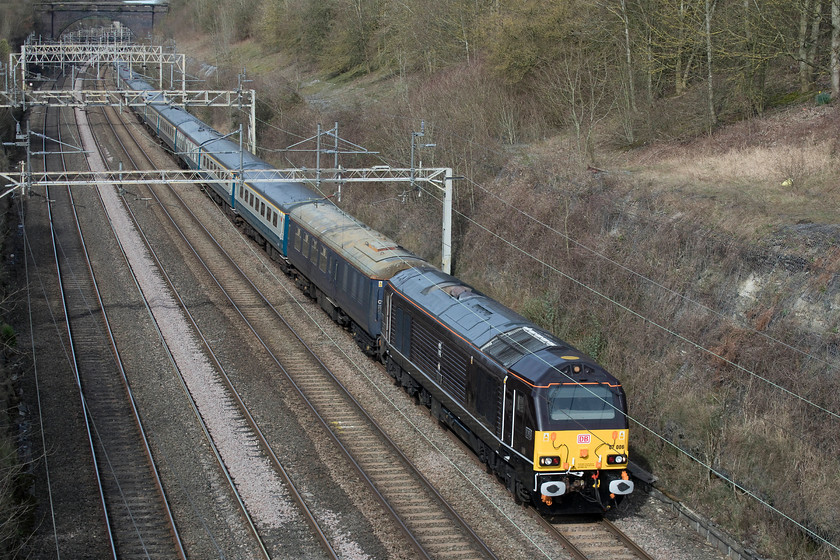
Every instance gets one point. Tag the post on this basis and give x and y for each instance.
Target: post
(238, 184)
(318, 159)
(413, 172)
(335, 158)
(28, 159)
(23, 68)
(446, 249)
(252, 136)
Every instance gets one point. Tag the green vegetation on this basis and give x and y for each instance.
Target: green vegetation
(583, 61)
(7, 336)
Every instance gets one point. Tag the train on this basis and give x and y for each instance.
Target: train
(545, 418)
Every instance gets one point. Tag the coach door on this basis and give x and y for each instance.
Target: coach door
(386, 317)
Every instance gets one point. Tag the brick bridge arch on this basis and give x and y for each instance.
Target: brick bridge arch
(52, 18)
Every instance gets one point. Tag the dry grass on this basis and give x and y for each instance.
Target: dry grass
(754, 175)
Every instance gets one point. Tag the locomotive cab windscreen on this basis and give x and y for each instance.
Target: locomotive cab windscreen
(568, 406)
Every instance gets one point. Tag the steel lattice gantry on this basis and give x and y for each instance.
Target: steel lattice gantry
(128, 54)
(440, 178)
(130, 98)
(61, 53)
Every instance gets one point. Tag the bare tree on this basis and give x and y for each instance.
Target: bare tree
(576, 87)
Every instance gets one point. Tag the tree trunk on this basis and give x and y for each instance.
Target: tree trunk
(710, 7)
(679, 84)
(630, 85)
(815, 35)
(804, 68)
(649, 67)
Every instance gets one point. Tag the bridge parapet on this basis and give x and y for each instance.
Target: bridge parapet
(52, 18)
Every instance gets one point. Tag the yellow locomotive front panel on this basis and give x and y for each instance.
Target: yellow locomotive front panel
(580, 450)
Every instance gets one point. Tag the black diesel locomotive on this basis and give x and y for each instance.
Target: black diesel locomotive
(545, 418)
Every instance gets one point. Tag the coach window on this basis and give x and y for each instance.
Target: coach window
(323, 262)
(297, 240)
(274, 218)
(306, 245)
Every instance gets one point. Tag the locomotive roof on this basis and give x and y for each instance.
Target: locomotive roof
(368, 250)
(519, 345)
(471, 314)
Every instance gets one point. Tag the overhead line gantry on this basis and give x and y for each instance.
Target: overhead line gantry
(19, 93)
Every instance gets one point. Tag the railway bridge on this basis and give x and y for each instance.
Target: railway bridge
(52, 18)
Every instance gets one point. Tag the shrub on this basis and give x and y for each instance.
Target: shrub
(8, 336)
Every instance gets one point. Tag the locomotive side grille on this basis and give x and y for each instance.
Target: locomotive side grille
(393, 324)
(442, 363)
(424, 350)
(454, 369)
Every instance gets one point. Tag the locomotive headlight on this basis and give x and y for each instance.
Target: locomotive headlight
(550, 461)
(616, 459)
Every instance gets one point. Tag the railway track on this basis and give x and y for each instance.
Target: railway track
(429, 524)
(595, 538)
(588, 537)
(137, 519)
(267, 543)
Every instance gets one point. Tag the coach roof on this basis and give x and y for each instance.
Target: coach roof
(368, 250)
